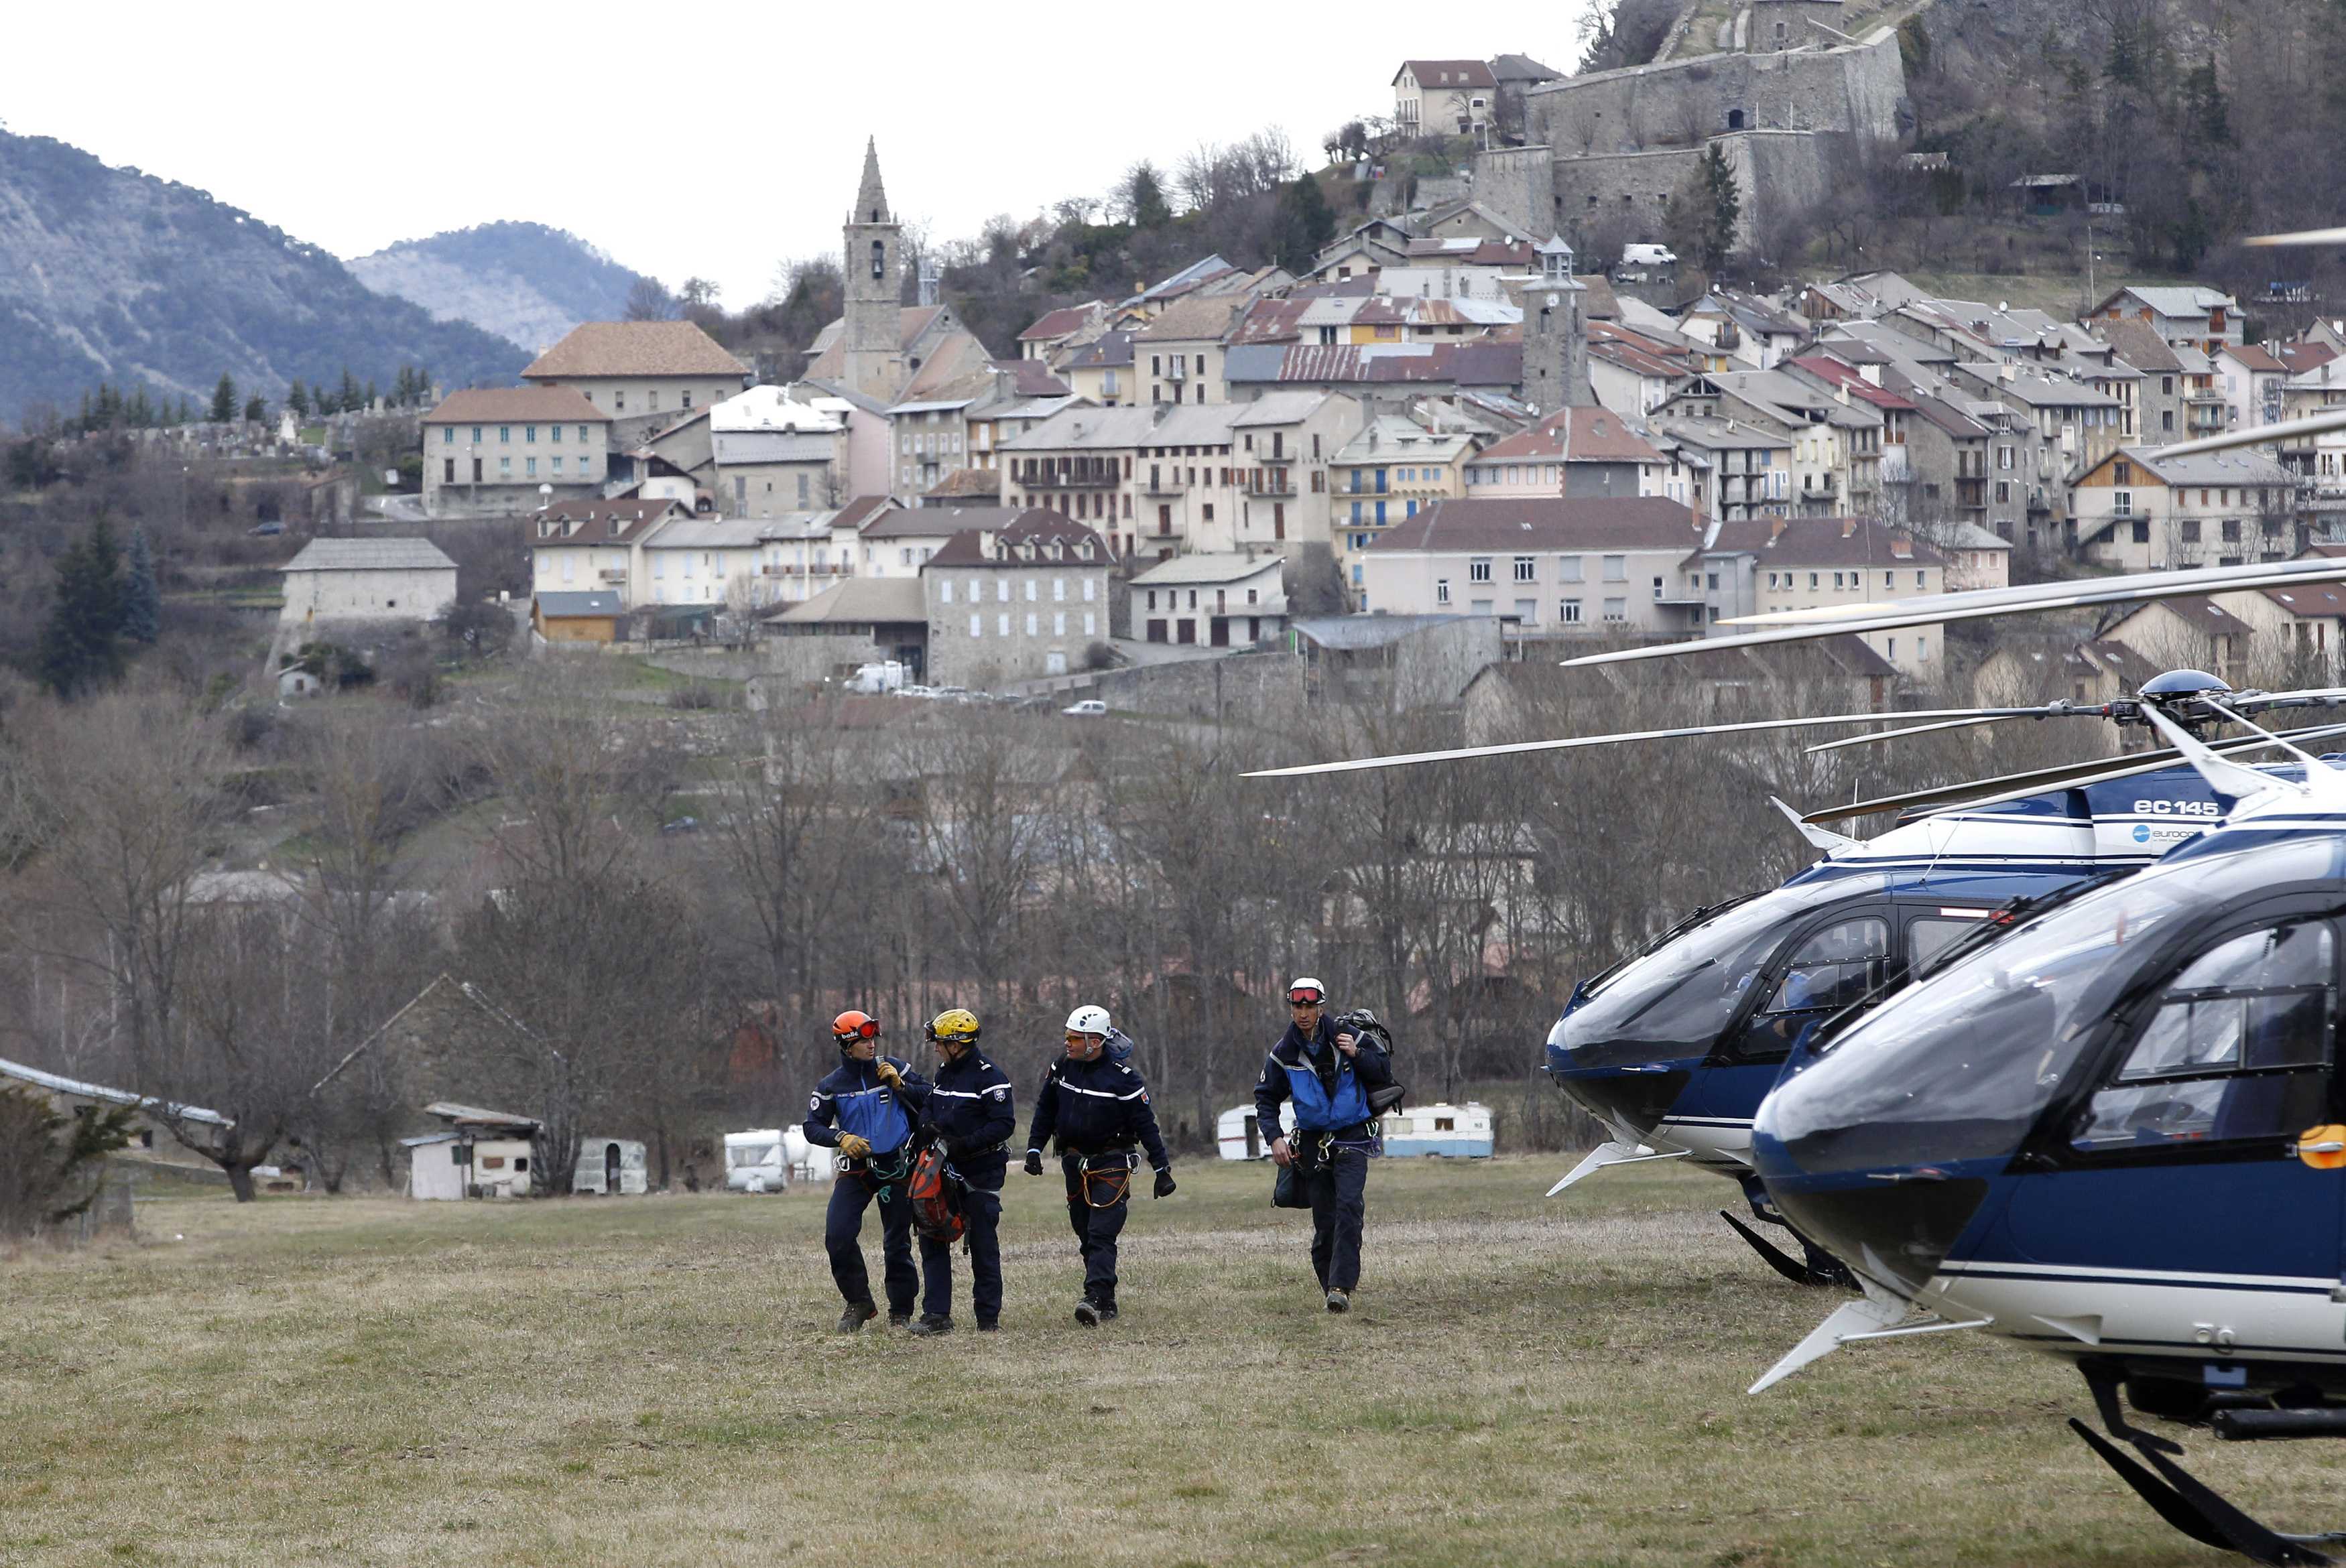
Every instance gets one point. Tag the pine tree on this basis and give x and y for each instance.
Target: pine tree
(1305, 223)
(139, 414)
(1145, 195)
(256, 409)
(348, 399)
(81, 645)
(1723, 205)
(368, 400)
(142, 598)
(297, 398)
(224, 400)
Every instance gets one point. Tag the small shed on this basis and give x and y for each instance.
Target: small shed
(609, 1167)
(591, 616)
(479, 1154)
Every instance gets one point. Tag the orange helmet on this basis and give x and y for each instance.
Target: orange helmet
(851, 1026)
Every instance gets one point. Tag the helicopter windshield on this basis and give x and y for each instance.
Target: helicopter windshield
(1961, 1065)
(1676, 1000)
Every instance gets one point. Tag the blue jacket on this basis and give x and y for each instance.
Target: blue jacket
(1093, 1108)
(853, 1099)
(970, 1106)
(1328, 1090)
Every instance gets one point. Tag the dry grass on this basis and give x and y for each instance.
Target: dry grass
(652, 1381)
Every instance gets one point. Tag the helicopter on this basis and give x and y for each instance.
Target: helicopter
(1673, 1048)
(2117, 1135)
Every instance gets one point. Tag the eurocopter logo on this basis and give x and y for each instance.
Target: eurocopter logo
(2142, 833)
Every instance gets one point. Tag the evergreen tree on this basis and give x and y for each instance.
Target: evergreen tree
(1723, 204)
(297, 398)
(139, 414)
(256, 409)
(224, 400)
(368, 400)
(349, 399)
(187, 413)
(1144, 197)
(402, 387)
(1305, 223)
(81, 645)
(142, 598)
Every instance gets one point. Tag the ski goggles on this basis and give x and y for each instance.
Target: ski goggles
(1307, 997)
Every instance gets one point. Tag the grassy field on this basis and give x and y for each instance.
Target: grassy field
(654, 1382)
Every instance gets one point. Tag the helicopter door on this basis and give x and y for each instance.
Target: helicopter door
(1828, 967)
(2183, 1161)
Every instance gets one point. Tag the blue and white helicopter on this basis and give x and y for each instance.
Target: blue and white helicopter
(2116, 1134)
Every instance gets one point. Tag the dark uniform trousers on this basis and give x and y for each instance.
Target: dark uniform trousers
(1337, 1188)
(850, 1194)
(982, 1213)
(1095, 1231)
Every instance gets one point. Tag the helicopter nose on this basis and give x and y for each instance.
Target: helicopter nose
(1895, 1226)
(1637, 1094)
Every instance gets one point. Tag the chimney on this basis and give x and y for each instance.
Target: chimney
(1841, 390)
(1775, 529)
(1871, 372)
(1848, 527)
(2007, 373)
(1902, 546)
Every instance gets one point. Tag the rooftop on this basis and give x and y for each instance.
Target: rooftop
(596, 602)
(1207, 566)
(877, 600)
(596, 348)
(370, 555)
(1548, 521)
(516, 405)
(1585, 433)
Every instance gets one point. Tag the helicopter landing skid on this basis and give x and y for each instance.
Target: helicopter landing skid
(1832, 1272)
(2180, 1498)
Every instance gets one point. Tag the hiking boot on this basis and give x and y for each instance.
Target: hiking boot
(928, 1326)
(1087, 1313)
(898, 1319)
(1107, 1312)
(988, 1325)
(1340, 1301)
(858, 1314)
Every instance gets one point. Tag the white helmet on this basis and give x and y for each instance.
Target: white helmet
(1088, 1021)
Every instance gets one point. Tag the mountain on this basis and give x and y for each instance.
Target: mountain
(112, 275)
(523, 281)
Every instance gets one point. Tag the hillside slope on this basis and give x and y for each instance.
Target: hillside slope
(109, 274)
(523, 281)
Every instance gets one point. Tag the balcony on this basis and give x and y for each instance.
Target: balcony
(1178, 370)
(612, 575)
(1093, 474)
(1274, 490)
(1171, 485)
(819, 569)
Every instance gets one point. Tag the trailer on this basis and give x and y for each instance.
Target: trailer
(1449, 1132)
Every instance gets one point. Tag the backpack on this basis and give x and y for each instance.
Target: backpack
(935, 1213)
(1366, 1023)
(1119, 1047)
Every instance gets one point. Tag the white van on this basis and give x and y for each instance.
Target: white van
(1642, 258)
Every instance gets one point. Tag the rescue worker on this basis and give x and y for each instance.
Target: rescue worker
(865, 1109)
(1327, 1076)
(1096, 1108)
(970, 1113)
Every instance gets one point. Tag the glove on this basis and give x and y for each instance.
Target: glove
(852, 1146)
(886, 1071)
(1165, 1184)
(1034, 1161)
(924, 1134)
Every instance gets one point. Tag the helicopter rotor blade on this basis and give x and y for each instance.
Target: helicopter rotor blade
(1892, 615)
(2258, 435)
(1517, 748)
(1923, 729)
(2020, 785)
(2303, 237)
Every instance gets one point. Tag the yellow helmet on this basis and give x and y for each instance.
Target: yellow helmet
(957, 1026)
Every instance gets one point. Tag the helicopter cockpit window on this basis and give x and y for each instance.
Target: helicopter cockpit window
(1932, 935)
(1833, 967)
(2237, 1048)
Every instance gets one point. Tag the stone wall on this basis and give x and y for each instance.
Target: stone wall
(1776, 172)
(1516, 183)
(1242, 685)
(1856, 89)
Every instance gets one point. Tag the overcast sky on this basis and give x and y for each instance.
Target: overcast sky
(717, 139)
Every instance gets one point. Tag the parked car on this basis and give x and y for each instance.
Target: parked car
(1090, 708)
(266, 530)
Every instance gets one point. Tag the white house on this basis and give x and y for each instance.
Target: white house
(1213, 600)
(367, 580)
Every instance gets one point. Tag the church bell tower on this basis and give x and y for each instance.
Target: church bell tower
(869, 335)
(1556, 333)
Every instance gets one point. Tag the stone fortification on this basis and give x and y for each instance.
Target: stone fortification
(1615, 143)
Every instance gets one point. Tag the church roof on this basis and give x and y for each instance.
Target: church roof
(634, 349)
(871, 197)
